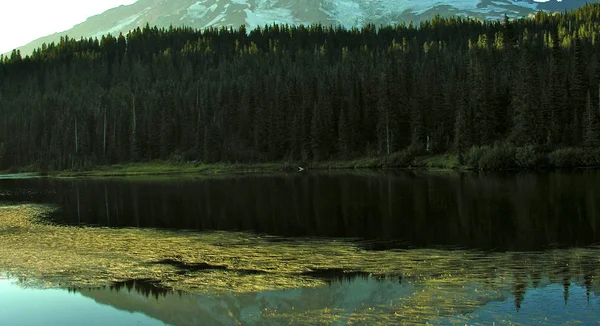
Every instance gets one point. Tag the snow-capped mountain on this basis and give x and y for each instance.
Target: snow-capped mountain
(252, 13)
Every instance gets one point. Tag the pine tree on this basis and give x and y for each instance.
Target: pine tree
(591, 133)
(579, 79)
(524, 119)
(479, 95)
(317, 133)
(462, 140)
(575, 130)
(343, 134)
(417, 126)
(212, 144)
(306, 131)
(385, 121)
(296, 139)
(557, 107)
(302, 93)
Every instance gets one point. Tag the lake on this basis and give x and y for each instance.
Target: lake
(335, 248)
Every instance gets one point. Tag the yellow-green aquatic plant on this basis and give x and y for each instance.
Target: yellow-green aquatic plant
(449, 282)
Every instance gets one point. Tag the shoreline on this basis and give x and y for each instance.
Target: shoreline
(161, 168)
(433, 163)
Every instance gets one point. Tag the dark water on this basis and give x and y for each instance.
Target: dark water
(527, 211)
(505, 213)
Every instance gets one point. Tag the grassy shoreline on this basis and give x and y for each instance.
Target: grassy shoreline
(444, 162)
(500, 157)
(167, 168)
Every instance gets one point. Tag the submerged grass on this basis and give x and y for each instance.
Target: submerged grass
(450, 282)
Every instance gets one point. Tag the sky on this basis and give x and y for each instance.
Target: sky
(22, 21)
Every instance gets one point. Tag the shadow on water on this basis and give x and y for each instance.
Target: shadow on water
(388, 210)
(190, 267)
(185, 267)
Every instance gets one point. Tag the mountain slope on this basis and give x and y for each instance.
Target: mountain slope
(252, 13)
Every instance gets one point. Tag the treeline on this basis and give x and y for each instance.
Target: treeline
(307, 93)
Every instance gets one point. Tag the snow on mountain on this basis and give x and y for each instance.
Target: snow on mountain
(133, 19)
(253, 13)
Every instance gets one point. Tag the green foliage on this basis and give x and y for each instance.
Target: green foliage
(310, 93)
(527, 157)
(168, 168)
(402, 158)
(503, 156)
(566, 158)
(446, 161)
(591, 126)
(499, 157)
(474, 155)
(177, 158)
(591, 157)
(574, 157)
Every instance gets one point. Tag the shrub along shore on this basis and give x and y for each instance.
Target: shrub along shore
(499, 157)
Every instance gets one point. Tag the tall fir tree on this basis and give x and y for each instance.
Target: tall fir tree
(591, 132)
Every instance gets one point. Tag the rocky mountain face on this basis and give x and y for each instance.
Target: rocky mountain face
(252, 13)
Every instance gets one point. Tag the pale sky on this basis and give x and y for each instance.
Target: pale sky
(22, 21)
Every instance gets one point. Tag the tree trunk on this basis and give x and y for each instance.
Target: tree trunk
(387, 130)
(76, 138)
(104, 136)
(133, 151)
(134, 118)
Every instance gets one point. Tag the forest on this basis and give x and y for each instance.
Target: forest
(498, 94)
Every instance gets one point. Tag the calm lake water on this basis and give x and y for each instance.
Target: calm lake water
(141, 304)
(532, 214)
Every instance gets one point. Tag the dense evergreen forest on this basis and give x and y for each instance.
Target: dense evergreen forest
(525, 89)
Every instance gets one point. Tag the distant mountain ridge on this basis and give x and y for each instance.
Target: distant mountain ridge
(206, 13)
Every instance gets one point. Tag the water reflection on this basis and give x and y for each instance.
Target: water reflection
(346, 297)
(369, 300)
(28, 305)
(524, 299)
(398, 209)
(144, 287)
(542, 306)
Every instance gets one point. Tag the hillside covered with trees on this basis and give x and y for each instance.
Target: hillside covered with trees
(499, 94)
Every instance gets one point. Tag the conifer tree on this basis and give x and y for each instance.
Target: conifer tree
(343, 134)
(302, 93)
(461, 133)
(591, 135)
(523, 120)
